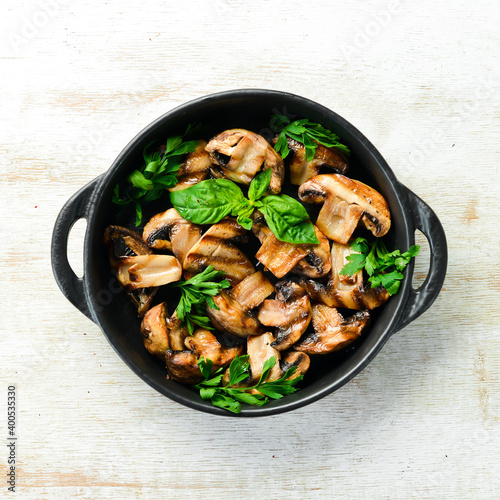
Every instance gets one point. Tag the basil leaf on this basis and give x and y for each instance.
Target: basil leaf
(259, 185)
(208, 201)
(292, 210)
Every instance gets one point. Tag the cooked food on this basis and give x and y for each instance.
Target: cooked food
(195, 168)
(233, 312)
(331, 331)
(289, 314)
(278, 302)
(346, 202)
(217, 248)
(240, 154)
(351, 292)
(183, 365)
(169, 231)
(281, 257)
(302, 169)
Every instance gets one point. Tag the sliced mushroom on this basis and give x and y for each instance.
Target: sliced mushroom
(252, 291)
(195, 168)
(300, 360)
(234, 314)
(161, 332)
(346, 202)
(289, 314)
(169, 231)
(301, 170)
(122, 242)
(183, 365)
(351, 292)
(240, 154)
(331, 331)
(144, 271)
(232, 318)
(216, 247)
(281, 257)
(317, 263)
(260, 349)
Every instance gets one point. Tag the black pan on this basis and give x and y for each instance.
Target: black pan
(98, 296)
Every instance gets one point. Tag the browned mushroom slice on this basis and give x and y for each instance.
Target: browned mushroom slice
(122, 242)
(216, 248)
(317, 263)
(345, 203)
(300, 360)
(331, 331)
(232, 318)
(281, 257)
(195, 168)
(252, 291)
(160, 332)
(154, 330)
(351, 292)
(289, 314)
(240, 154)
(260, 349)
(144, 271)
(183, 365)
(301, 170)
(169, 231)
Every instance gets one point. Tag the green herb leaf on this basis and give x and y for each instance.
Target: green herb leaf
(197, 292)
(259, 185)
(382, 266)
(208, 201)
(305, 132)
(233, 394)
(288, 219)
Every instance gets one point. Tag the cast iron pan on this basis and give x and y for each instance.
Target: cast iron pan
(98, 295)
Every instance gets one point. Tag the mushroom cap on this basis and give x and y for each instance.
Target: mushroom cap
(346, 201)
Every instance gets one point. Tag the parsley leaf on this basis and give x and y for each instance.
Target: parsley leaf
(383, 267)
(305, 132)
(195, 293)
(157, 174)
(230, 397)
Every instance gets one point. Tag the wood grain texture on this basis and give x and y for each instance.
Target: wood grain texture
(420, 79)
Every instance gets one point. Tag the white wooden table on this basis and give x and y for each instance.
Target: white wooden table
(420, 79)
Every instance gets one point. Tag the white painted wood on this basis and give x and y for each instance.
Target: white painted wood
(420, 79)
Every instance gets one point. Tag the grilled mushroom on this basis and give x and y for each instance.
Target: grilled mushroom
(260, 349)
(233, 314)
(195, 168)
(240, 154)
(301, 170)
(183, 365)
(216, 247)
(122, 242)
(289, 314)
(281, 257)
(161, 332)
(331, 331)
(345, 203)
(300, 360)
(144, 271)
(169, 231)
(345, 291)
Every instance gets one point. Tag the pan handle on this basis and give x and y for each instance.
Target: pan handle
(77, 207)
(426, 221)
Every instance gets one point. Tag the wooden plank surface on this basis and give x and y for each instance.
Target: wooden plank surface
(420, 79)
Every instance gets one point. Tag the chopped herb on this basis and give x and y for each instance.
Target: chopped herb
(230, 396)
(195, 293)
(383, 267)
(307, 133)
